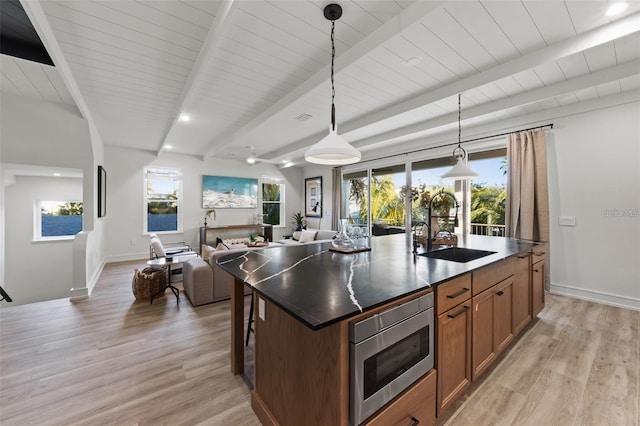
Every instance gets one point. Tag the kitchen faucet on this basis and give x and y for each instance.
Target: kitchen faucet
(420, 224)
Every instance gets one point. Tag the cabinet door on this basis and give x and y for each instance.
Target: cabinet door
(502, 314)
(521, 293)
(415, 406)
(453, 354)
(483, 352)
(537, 287)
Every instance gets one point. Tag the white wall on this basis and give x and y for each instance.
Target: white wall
(594, 170)
(36, 270)
(36, 132)
(125, 238)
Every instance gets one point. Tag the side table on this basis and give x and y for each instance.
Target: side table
(168, 262)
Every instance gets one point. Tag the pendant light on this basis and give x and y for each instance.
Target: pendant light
(460, 171)
(332, 149)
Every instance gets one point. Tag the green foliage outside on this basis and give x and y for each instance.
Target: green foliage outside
(66, 209)
(387, 204)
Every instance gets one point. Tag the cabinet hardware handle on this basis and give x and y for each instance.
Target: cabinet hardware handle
(539, 253)
(416, 422)
(464, 309)
(460, 293)
(535, 270)
(500, 293)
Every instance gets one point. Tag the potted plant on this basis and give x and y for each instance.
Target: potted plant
(299, 221)
(208, 214)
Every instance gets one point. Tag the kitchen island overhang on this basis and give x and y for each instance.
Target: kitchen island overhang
(319, 287)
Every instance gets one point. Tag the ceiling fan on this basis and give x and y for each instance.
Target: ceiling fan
(253, 158)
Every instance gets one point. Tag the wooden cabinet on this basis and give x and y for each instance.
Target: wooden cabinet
(264, 229)
(521, 293)
(491, 325)
(453, 353)
(416, 405)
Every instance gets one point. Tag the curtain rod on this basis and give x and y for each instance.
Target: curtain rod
(549, 125)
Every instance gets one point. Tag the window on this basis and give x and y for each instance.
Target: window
(163, 196)
(273, 203)
(489, 193)
(58, 219)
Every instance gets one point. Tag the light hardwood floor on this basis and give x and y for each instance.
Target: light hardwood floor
(110, 360)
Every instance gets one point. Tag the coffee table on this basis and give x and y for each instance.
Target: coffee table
(168, 262)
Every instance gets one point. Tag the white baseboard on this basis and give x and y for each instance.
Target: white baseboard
(596, 296)
(126, 258)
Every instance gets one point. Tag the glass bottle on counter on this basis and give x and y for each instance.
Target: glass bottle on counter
(342, 241)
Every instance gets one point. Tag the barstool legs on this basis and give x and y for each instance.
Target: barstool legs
(249, 329)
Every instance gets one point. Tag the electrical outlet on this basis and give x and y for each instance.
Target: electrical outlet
(567, 221)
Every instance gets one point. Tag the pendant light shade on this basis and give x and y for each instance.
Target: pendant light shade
(332, 149)
(461, 170)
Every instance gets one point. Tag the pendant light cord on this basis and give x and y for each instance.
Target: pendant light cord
(333, 89)
(459, 126)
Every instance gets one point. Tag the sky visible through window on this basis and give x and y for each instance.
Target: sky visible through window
(488, 169)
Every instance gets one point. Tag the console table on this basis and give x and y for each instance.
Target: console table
(262, 229)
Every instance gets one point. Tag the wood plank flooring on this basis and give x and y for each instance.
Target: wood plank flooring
(109, 360)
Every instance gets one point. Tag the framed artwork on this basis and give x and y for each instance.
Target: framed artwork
(313, 197)
(102, 192)
(225, 192)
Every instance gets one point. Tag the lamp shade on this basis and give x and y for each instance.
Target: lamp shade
(332, 150)
(460, 171)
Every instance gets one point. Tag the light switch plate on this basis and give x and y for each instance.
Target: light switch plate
(261, 312)
(567, 221)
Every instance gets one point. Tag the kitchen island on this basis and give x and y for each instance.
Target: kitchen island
(306, 297)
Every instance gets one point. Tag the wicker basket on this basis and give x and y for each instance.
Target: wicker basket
(148, 282)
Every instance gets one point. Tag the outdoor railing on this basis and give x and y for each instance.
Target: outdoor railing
(488, 229)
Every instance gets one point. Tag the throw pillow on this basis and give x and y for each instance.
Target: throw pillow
(306, 236)
(296, 235)
(221, 246)
(206, 252)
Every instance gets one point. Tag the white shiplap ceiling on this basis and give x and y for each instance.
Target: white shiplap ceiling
(243, 70)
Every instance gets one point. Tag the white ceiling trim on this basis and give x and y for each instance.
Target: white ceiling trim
(558, 89)
(488, 129)
(201, 66)
(587, 40)
(409, 16)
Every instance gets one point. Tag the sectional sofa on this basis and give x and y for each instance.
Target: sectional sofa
(205, 282)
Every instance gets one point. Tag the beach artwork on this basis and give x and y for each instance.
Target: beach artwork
(224, 192)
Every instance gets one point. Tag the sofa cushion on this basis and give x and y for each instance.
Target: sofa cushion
(306, 236)
(296, 235)
(325, 234)
(206, 252)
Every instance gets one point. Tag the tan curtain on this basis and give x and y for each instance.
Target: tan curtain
(527, 215)
(336, 204)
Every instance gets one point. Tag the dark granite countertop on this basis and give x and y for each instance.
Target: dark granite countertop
(320, 287)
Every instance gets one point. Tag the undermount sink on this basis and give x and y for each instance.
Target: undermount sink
(457, 254)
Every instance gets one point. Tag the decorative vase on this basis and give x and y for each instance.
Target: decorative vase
(342, 240)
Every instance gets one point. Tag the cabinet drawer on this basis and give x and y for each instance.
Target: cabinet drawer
(538, 253)
(452, 293)
(490, 275)
(416, 403)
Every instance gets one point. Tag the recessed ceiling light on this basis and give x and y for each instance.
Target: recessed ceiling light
(616, 8)
(184, 118)
(413, 61)
(167, 146)
(57, 174)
